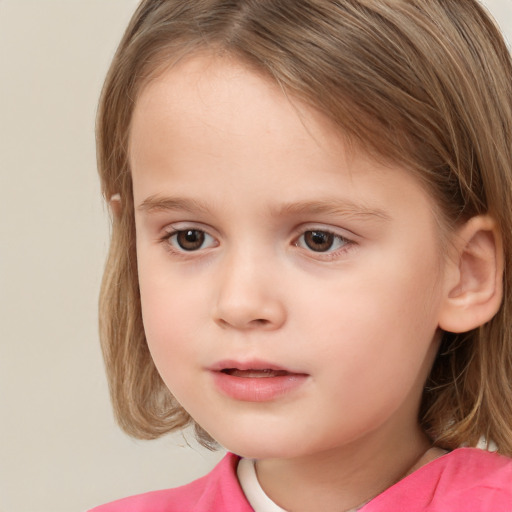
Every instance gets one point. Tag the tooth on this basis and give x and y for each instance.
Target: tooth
(255, 374)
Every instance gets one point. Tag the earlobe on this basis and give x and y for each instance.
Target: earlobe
(474, 276)
(114, 204)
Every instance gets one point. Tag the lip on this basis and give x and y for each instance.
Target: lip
(255, 381)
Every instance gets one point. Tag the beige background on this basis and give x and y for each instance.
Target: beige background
(59, 448)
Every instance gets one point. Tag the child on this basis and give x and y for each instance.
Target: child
(311, 251)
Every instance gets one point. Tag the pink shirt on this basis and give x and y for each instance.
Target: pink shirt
(465, 480)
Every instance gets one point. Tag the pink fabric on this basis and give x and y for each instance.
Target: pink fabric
(218, 491)
(465, 480)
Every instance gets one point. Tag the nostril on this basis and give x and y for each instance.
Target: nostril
(260, 321)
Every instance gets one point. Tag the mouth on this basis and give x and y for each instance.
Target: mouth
(254, 369)
(255, 374)
(255, 381)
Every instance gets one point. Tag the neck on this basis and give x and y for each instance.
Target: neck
(344, 478)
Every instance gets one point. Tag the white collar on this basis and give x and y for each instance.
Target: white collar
(259, 501)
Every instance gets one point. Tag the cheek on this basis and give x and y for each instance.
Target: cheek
(169, 308)
(167, 318)
(384, 318)
(166, 299)
(168, 313)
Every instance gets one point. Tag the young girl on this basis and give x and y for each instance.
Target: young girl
(311, 251)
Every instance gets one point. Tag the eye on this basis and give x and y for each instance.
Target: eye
(321, 241)
(190, 240)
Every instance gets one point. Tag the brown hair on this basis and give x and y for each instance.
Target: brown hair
(423, 83)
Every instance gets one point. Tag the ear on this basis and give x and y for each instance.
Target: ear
(474, 276)
(114, 204)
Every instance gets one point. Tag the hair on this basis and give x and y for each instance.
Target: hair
(426, 84)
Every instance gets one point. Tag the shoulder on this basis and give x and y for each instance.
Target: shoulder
(462, 480)
(477, 464)
(218, 490)
(479, 475)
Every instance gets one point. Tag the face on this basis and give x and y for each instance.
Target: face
(291, 286)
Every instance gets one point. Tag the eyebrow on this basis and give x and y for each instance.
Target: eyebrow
(157, 203)
(346, 208)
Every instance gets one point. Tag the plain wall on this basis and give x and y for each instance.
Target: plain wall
(60, 450)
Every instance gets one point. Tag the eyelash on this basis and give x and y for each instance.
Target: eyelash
(343, 244)
(174, 233)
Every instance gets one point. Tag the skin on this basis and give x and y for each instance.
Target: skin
(219, 149)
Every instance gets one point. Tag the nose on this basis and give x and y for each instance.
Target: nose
(249, 294)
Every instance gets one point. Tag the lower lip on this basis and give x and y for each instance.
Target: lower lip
(257, 389)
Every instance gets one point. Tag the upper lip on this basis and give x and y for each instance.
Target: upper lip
(254, 364)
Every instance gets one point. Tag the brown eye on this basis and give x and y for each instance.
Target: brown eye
(319, 241)
(189, 239)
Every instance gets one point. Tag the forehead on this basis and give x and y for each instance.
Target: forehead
(206, 100)
(213, 127)
(206, 90)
